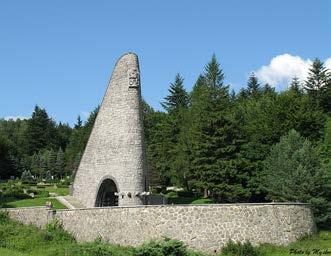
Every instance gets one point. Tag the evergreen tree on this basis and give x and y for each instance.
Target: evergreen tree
(35, 164)
(253, 86)
(207, 130)
(41, 132)
(177, 98)
(64, 132)
(293, 172)
(79, 123)
(7, 167)
(214, 76)
(26, 175)
(176, 105)
(295, 86)
(48, 176)
(268, 90)
(60, 164)
(42, 164)
(318, 85)
(51, 162)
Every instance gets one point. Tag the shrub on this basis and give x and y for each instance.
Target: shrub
(3, 217)
(294, 172)
(185, 194)
(43, 193)
(54, 232)
(172, 194)
(240, 249)
(12, 190)
(167, 247)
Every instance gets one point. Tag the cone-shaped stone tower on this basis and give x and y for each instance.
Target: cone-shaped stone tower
(113, 167)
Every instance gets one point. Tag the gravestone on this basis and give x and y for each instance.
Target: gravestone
(113, 167)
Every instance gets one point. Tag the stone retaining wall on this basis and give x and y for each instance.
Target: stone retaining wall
(201, 227)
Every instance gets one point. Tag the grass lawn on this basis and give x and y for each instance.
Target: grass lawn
(8, 252)
(33, 202)
(58, 191)
(320, 241)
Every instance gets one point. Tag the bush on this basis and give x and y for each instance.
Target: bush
(167, 247)
(3, 217)
(172, 194)
(185, 194)
(97, 248)
(239, 249)
(43, 193)
(12, 190)
(55, 232)
(294, 172)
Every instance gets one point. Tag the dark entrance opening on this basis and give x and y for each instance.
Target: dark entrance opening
(106, 194)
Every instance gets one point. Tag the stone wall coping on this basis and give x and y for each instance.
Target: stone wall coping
(20, 208)
(165, 206)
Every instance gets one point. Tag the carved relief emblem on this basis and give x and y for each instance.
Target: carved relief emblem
(134, 78)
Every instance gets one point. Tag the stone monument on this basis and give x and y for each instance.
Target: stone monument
(113, 167)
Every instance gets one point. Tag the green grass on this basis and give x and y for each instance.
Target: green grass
(8, 252)
(58, 191)
(203, 201)
(33, 202)
(320, 241)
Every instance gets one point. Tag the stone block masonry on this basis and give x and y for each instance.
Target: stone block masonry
(113, 169)
(201, 227)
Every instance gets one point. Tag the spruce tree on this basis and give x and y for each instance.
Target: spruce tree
(214, 76)
(79, 122)
(177, 98)
(42, 164)
(318, 85)
(253, 86)
(294, 172)
(51, 162)
(268, 90)
(7, 167)
(295, 86)
(60, 164)
(63, 135)
(41, 132)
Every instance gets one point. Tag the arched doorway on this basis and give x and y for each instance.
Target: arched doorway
(106, 194)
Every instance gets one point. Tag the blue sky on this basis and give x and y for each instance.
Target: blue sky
(60, 54)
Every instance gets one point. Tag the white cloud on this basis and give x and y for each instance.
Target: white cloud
(283, 68)
(15, 117)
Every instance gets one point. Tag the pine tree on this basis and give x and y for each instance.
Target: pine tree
(35, 164)
(268, 90)
(7, 167)
(42, 164)
(318, 85)
(295, 86)
(293, 172)
(177, 98)
(63, 135)
(214, 76)
(253, 86)
(41, 132)
(60, 164)
(79, 123)
(51, 162)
